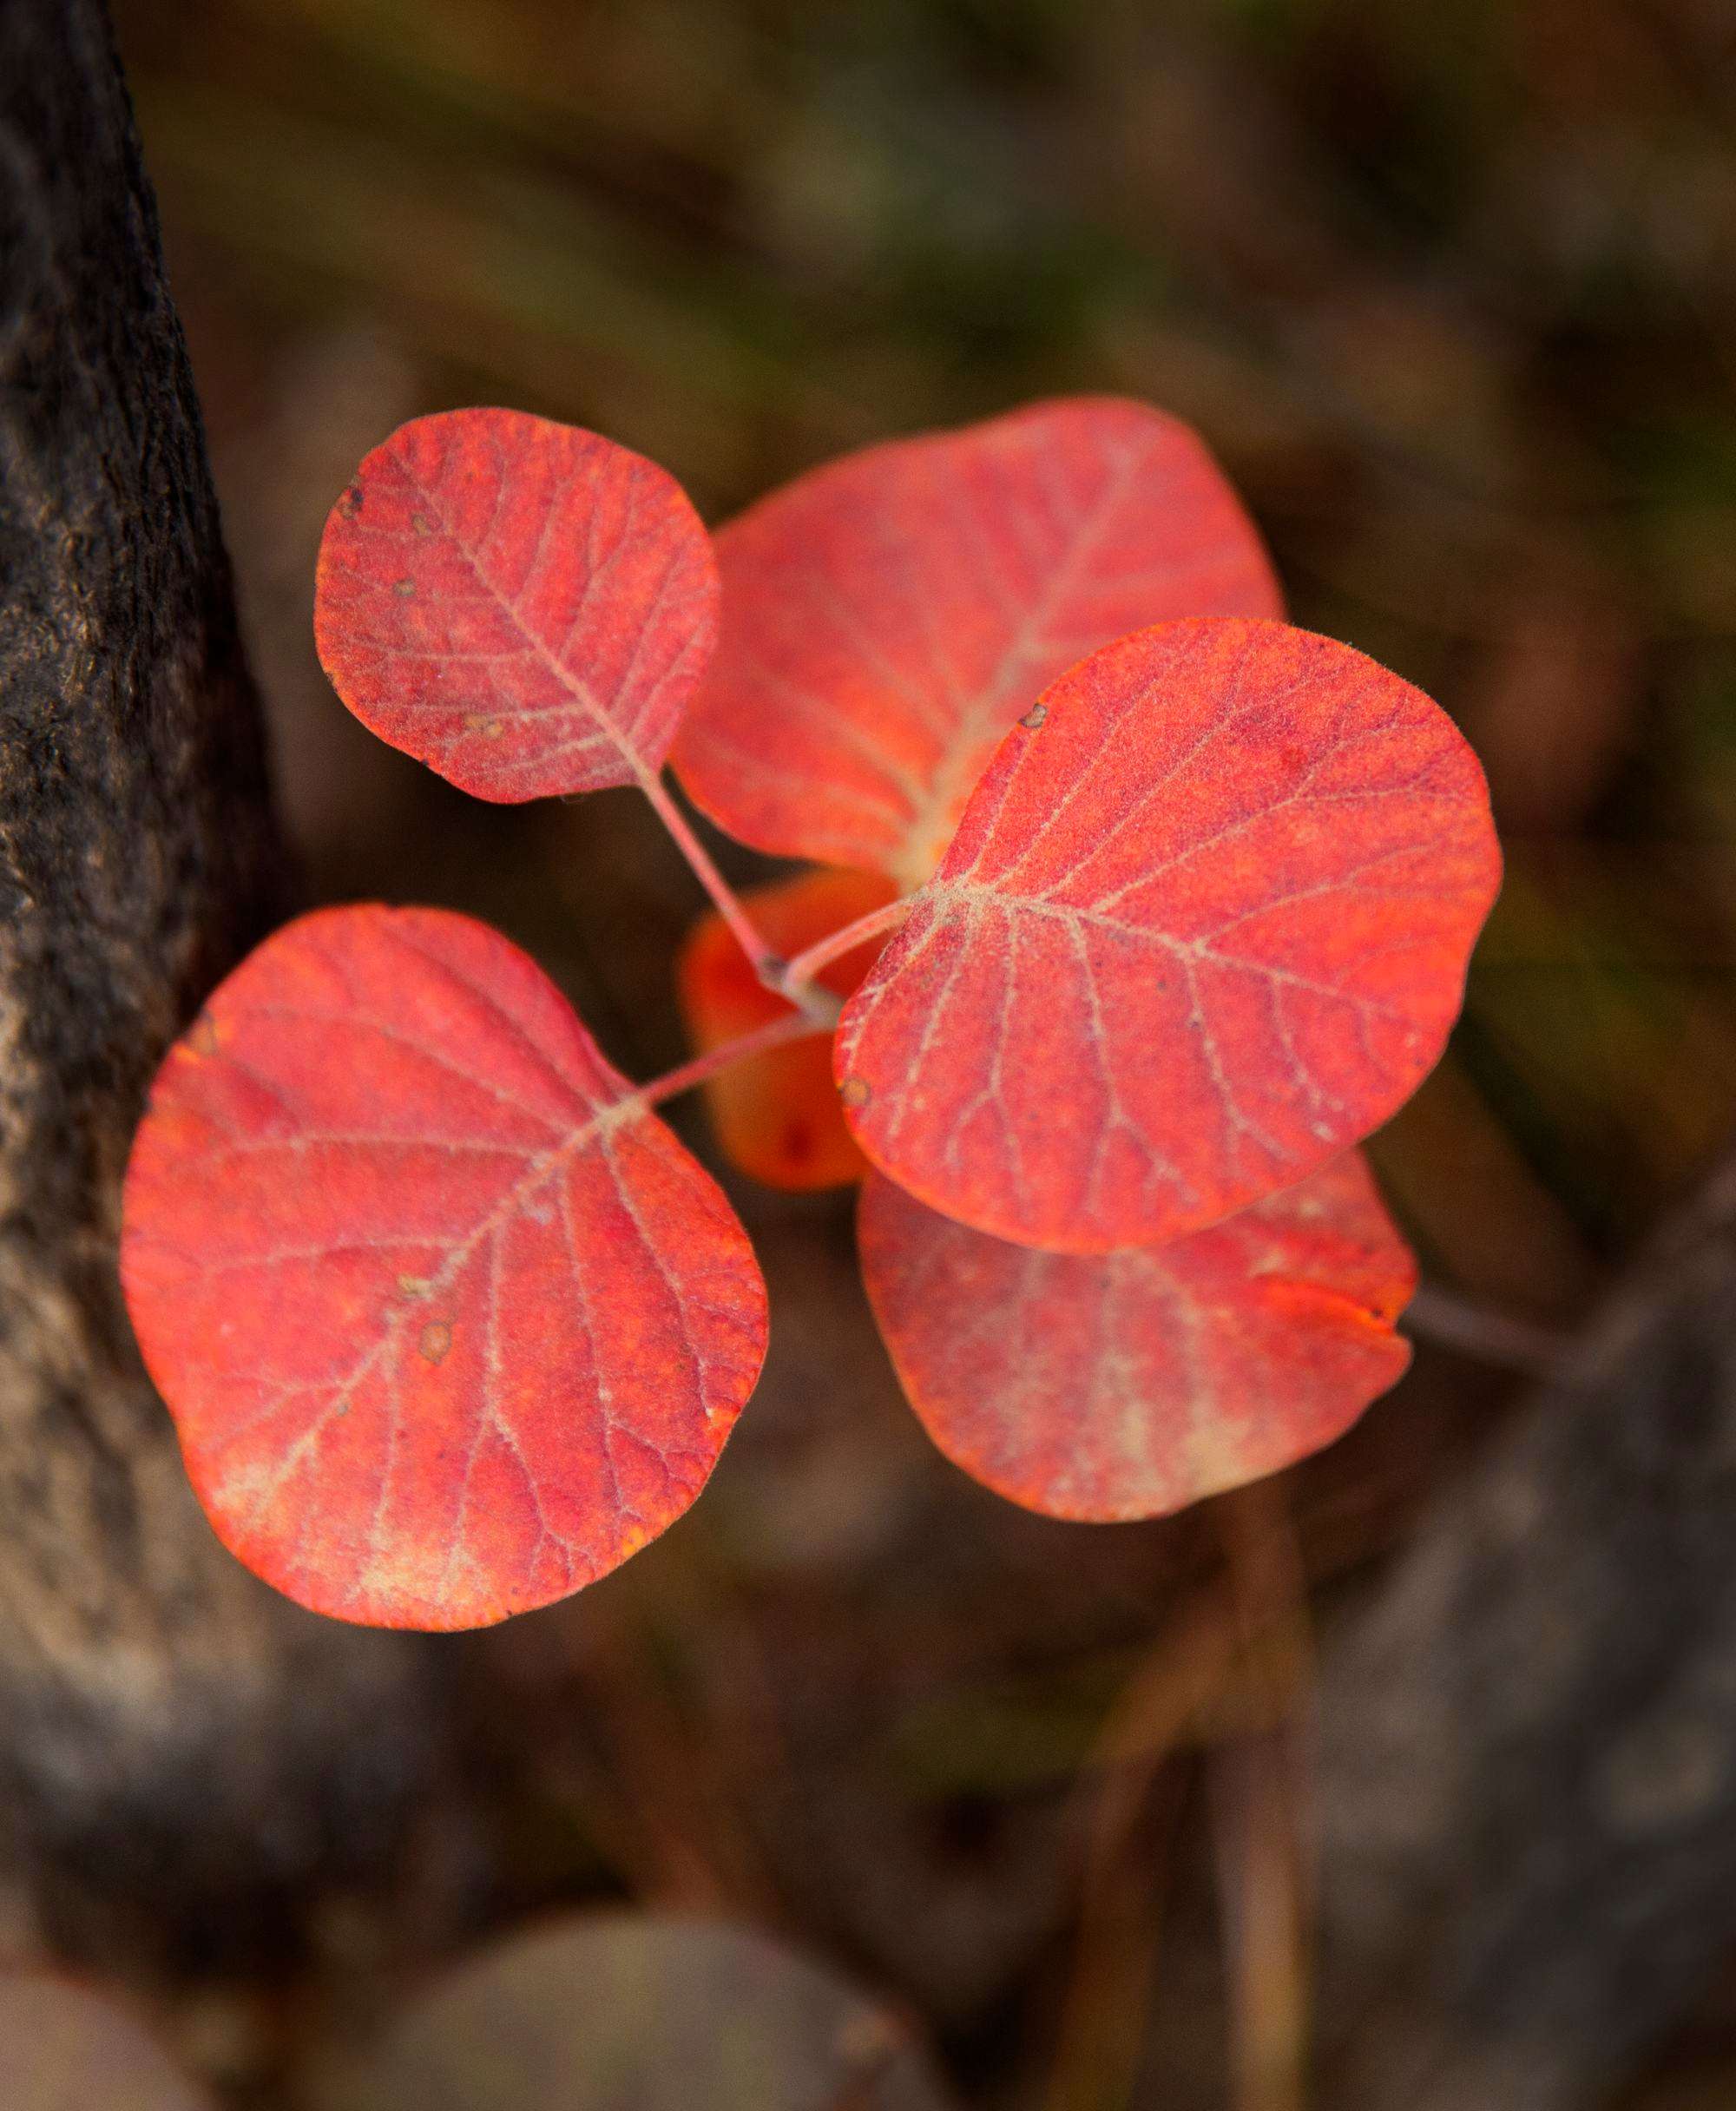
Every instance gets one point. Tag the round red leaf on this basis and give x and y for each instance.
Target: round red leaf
(450, 1324)
(523, 605)
(1204, 926)
(888, 616)
(1117, 1385)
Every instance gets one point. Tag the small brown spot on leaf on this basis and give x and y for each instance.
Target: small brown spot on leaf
(423, 523)
(855, 1092)
(202, 1035)
(1034, 717)
(435, 1340)
(351, 503)
(404, 589)
(415, 1285)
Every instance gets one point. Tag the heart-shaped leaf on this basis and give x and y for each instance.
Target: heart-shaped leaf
(1108, 1386)
(63, 2049)
(523, 605)
(1204, 926)
(604, 2012)
(450, 1324)
(777, 1116)
(887, 617)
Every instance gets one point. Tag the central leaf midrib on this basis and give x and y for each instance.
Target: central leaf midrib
(946, 779)
(630, 1107)
(584, 696)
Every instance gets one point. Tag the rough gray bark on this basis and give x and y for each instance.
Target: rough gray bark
(1528, 1745)
(174, 1738)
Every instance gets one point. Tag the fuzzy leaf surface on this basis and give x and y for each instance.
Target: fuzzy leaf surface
(888, 616)
(450, 1324)
(63, 2049)
(777, 1116)
(1112, 1386)
(1205, 924)
(523, 605)
(599, 2012)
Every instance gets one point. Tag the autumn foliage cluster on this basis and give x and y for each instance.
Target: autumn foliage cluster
(1133, 911)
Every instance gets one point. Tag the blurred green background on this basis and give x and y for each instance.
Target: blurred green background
(1451, 292)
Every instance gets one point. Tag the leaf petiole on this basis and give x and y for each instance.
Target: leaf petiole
(792, 980)
(798, 974)
(727, 902)
(793, 1026)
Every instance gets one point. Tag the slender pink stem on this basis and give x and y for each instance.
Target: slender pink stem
(793, 1026)
(803, 969)
(765, 961)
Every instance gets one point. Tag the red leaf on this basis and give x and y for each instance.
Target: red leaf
(449, 1323)
(888, 616)
(63, 2049)
(523, 605)
(1129, 1384)
(1204, 926)
(777, 1116)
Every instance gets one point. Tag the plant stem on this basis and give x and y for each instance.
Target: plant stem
(1454, 1322)
(793, 1026)
(790, 980)
(1264, 1877)
(801, 971)
(765, 961)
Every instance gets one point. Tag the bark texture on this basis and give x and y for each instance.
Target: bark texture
(176, 1743)
(1528, 1745)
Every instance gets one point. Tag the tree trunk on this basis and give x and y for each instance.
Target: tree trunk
(179, 1747)
(1528, 1745)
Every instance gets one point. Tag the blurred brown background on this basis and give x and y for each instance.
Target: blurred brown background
(1452, 293)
